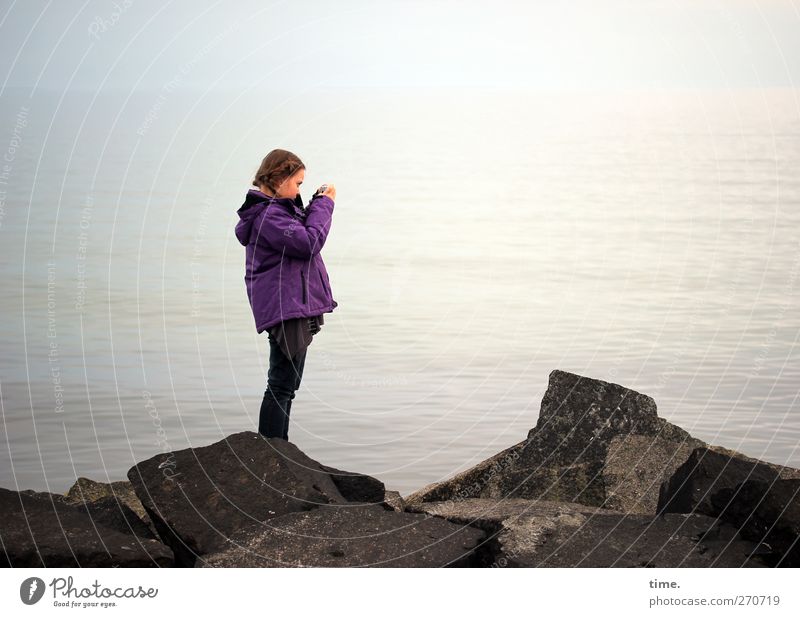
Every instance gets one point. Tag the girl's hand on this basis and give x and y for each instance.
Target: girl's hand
(330, 192)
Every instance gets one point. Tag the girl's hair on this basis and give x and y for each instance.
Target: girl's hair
(276, 167)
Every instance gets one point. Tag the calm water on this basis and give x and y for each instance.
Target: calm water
(479, 241)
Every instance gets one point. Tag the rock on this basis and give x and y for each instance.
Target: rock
(114, 503)
(471, 483)
(116, 515)
(758, 498)
(102, 508)
(45, 496)
(356, 486)
(710, 470)
(534, 533)
(198, 497)
(786, 473)
(766, 512)
(489, 514)
(635, 468)
(393, 501)
(566, 456)
(38, 531)
(632, 540)
(497, 516)
(85, 490)
(349, 536)
(600, 481)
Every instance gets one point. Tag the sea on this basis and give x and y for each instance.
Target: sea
(480, 240)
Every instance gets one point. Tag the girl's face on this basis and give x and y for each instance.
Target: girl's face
(291, 186)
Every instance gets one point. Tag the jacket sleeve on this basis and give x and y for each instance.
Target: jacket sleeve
(296, 238)
(243, 231)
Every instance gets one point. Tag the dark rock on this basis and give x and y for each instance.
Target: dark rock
(40, 531)
(393, 501)
(566, 456)
(349, 536)
(86, 491)
(199, 496)
(98, 501)
(45, 496)
(784, 472)
(710, 470)
(765, 512)
(633, 540)
(533, 533)
(496, 516)
(116, 515)
(566, 453)
(356, 486)
(601, 481)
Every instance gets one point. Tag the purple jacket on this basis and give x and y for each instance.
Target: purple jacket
(284, 272)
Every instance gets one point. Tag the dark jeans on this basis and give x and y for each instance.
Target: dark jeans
(283, 379)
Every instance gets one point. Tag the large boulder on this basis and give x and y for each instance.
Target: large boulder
(706, 471)
(534, 533)
(350, 536)
(595, 443)
(767, 512)
(43, 531)
(758, 498)
(198, 497)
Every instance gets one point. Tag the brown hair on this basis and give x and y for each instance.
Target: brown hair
(276, 167)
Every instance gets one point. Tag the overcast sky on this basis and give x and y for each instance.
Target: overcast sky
(417, 43)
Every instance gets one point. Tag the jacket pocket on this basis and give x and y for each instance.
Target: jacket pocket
(303, 286)
(324, 283)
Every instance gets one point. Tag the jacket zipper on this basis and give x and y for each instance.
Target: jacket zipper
(303, 283)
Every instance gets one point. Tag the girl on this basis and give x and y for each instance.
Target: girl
(287, 283)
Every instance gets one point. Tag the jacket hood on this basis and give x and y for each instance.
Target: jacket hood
(254, 203)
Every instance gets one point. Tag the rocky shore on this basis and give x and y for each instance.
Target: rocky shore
(600, 481)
